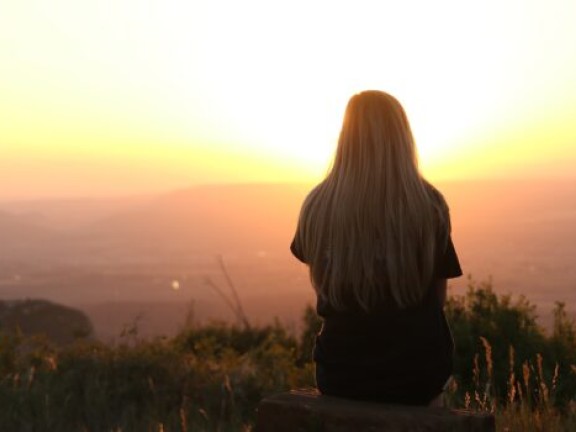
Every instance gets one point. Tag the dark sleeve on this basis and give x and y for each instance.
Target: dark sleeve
(297, 250)
(448, 265)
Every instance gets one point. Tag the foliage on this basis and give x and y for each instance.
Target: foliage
(212, 377)
(506, 363)
(206, 378)
(312, 326)
(61, 324)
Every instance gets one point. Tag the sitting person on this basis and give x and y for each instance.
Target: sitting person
(376, 237)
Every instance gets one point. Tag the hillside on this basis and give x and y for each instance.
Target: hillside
(129, 254)
(22, 235)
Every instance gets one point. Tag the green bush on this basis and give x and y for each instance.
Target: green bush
(206, 378)
(498, 339)
(212, 377)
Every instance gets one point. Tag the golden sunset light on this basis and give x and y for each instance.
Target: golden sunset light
(213, 216)
(110, 98)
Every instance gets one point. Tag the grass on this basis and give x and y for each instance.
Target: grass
(198, 380)
(531, 401)
(211, 378)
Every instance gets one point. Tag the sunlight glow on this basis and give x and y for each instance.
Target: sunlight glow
(221, 91)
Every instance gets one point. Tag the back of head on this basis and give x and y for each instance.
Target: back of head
(369, 229)
(375, 138)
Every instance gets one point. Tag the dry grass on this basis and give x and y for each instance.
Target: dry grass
(530, 403)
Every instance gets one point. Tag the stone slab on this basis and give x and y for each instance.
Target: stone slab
(308, 411)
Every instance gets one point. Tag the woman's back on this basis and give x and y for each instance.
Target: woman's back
(376, 236)
(389, 353)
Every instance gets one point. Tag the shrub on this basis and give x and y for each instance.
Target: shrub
(212, 377)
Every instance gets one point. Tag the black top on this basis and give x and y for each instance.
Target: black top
(390, 354)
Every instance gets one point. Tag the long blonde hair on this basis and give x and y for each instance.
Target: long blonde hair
(369, 230)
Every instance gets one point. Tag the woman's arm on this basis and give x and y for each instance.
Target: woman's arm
(441, 288)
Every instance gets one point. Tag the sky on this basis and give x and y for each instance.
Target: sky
(119, 97)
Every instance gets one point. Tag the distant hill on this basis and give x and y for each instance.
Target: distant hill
(521, 233)
(22, 235)
(59, 324)
(203, 220)
(227, 219)
(72, 213)
(209, 219)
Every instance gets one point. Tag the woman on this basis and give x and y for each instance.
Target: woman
(376, 237)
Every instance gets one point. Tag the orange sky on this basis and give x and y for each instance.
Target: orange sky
(115, 97)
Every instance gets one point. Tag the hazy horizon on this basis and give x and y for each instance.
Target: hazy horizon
(118, 257)
(149, 194)
(141, 139)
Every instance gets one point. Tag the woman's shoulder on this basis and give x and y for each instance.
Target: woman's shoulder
(434, 192)
(441, 209)
(311, 196)
(437, 198)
